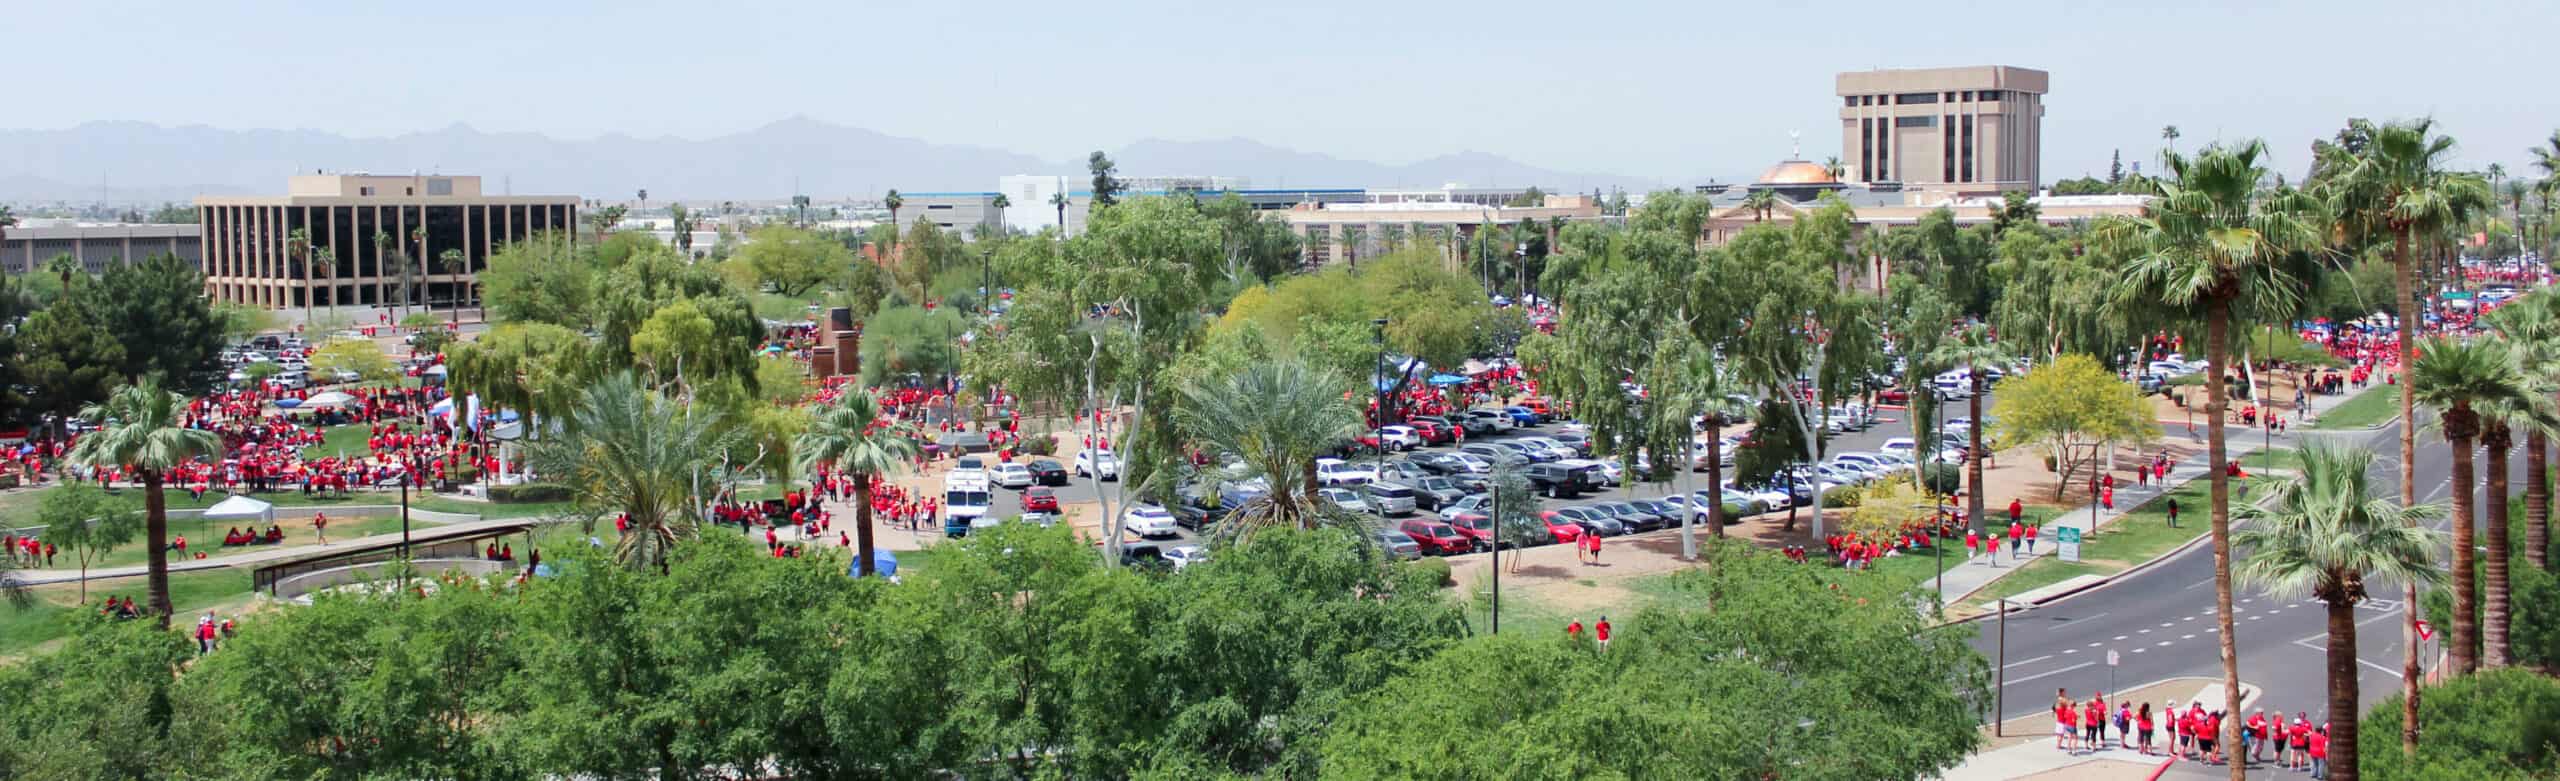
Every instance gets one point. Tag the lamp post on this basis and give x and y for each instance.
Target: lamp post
(1378, 391)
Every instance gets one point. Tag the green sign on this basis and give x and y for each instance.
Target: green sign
(2069, 537)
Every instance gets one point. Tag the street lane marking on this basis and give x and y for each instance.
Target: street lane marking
(2029, 661)
(2188, 637)
(2050, 673)
(2163, 642)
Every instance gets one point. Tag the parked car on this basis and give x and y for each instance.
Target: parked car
(1492, 421)
(1636, 518)
(1593, 521)
(1390, 499)
(1335, 471)
(1668, 511)
(1579, 440)
(1522, 417)
(1047, 472)
(1529, 452)
(1554, 450)
(1190, 513)
(1099, 464)
(1040, 499)
(1011, 475)
(1396, 545)
(1436, 538)
(1435, 492)
(1397, 437)
(1558, 481)
(1471, 504)
(1432, 431)
(1145, 557)
(1544, 409)
(1564, 530)
(1183, 556)
(1149, 521)
(1345, 498)
(1492, 454)
(1401, 471)
(1476, 527)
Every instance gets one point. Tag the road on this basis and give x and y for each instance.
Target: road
(2160, 622)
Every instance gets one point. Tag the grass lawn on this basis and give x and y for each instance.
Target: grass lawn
(206, 538)
(2134, 538)
(776, 306)
(57, 610)
(2373, 406)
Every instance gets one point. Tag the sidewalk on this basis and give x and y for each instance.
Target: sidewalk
(1979, 571)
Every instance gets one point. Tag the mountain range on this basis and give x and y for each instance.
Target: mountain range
(144, 162)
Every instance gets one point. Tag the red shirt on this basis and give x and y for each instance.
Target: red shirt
(2016, 531)
(2319, 746)
(1602, 630)
(1573, 629)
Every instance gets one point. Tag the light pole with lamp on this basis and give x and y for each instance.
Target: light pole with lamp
(1378, 394)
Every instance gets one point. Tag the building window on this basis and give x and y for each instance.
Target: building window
(1850, 101)
(1915, 121)
(937, 206)
(439, 187)
(1866, 150)
(408, 191)
(1990, 94)
(364, 191)
(1951, 97)
(1970, 173)
(1947, 153)
(1915, 98)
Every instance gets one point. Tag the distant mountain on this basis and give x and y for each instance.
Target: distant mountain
(139, 161)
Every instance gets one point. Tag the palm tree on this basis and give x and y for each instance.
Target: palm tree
(1973, 348)
(893, 201)
(2208, 247)
(644, 199)
(324, 265)
(624, 448)
(2400, 183)
(681, 223)
(2546, 158)
(2329, 534)
(1278, 416)
(2458, 379)
(147, 439)
(1831, 165)
(1761, 203)
(1000, 203)
(2532, 325)
(382, 260)
(297, 245)
(9, 219)
(455, 261)
(849, 436)
(2532, 411)
(2169, 133)
(1059, 199)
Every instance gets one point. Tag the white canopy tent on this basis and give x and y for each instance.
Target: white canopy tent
(239, 508)
(330, 399)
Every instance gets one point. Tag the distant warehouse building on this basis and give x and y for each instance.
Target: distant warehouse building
(370, 226)
(94, 247)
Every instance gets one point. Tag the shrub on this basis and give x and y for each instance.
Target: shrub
(1040, 444)
(1843, 497)
(1438, 568)
(466, 474)
(528, 493)
(1942, 479)
(2495, 724)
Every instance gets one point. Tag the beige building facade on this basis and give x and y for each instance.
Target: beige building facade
(370, 227)
(1347, 232)
(1964, 130)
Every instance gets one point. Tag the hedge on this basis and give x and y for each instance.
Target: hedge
(528, 493)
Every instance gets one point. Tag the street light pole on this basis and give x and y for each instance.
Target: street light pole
(2000, 673)
(1378, 392)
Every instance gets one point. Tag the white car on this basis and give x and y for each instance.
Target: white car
(1149, 521)
(1764, 498)
(1335, 471)
(1010, 475)
(1398, 437)
(1552, 448)
(1901, 445)
(1102, 464)
(1185, 555)
(1500, 421)
(1347, 499)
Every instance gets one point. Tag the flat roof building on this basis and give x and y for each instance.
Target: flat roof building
(93, 247)
(369, 226)
(1967, 130)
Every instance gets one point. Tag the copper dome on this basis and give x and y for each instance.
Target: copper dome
(1797, 172)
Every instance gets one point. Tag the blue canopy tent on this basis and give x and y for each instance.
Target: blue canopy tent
(1446, 379)
(884, 563)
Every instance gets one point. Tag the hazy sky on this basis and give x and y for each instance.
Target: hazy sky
(1671, 90)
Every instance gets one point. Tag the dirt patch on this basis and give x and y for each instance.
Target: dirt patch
(2098, 770)
(1582, 596)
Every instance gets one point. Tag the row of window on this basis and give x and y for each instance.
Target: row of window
(1925, 98)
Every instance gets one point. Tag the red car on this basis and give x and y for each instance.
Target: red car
(1040, 499)
(1432, 431)
(1476, 527)
(1894, 396)
(1565, 530)
(1435, 537)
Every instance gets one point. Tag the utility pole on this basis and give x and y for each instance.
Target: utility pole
(2000, 674)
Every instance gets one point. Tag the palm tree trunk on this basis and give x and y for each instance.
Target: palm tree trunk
(155, 514)
(2342, 690)
(862, 524)
(2218, 350)
(1715, 474)
(2493, 607)
(2537, 499)
(2466, 581)
(2407, 310)
(1974, 457)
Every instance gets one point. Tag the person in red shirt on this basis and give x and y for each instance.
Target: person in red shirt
(2300, 737)
(1972, 542)
(2066, 725)
(2093, 722)
(2017, 537)
(2318, 742)
(1574, 630)
(2253, 737)
(1601, 631)
(1591, 546)
(2032, 531)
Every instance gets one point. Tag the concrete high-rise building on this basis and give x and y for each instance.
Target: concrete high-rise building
(1966, 130)
(368, 224)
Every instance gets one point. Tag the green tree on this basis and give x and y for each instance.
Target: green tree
(68, 361)
(1974, 348)
(2532, 325)
(1277, 416)
(157, 310)
(148, 440)
(1801, 322)
(455, 262)
(2495, 725)
(2326, 533)
(541, 279)
(535, 367)
(2209, 249)
(624, 449)
(851, 438)
(1106, 181)
(2071, 407)
(358, 356)
(81, 520)
(909, 340)
(98, 707)
(893, 200)
(2459, 378)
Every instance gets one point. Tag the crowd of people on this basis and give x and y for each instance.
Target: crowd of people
(2192, 735)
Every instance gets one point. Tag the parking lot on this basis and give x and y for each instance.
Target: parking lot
(1889, 424)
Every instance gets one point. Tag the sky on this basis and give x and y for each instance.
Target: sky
(1669, 90)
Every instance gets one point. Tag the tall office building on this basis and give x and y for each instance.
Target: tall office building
(1967, 130)
(369, 225)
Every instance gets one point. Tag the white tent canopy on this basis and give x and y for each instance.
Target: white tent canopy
(241, 508)
(328, 399)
